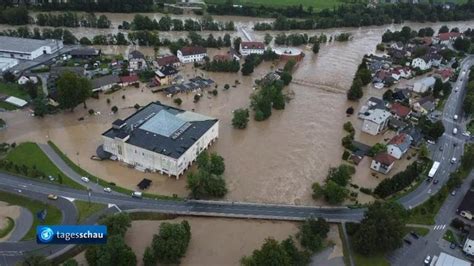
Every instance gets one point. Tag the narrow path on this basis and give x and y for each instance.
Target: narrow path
(346, 239)
(22, 225)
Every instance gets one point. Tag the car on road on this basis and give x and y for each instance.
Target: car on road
(107, 189)
(456, 89)
(427, 260)
(407, 241)
(453, 160)
(85, 179)
(441, 148)
(453, 193)
(452, 245)
(455, 131)
(414, 235)
(431, 142)
(137, 195)
(455, 144)
(455, 117)
(436, 181)
(52, 197)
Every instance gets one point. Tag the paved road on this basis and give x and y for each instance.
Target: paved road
(453, 106)
(22, 224)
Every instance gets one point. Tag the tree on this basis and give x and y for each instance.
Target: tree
(348, 127)
(171, 243)
(462, 44)
(271, 254)
(376, 149)
(114, 109)
(115, 252)
(8, 76)
(312, 233)
(236, 43)
(117, 224)
(149, 258)
(443, 29)
(70, 262)
(178, 101)
(297, 258)
(355, 92)
(72, 90)
(40, 106)
(85, 41)
(424, 153)
(240, 119)
(382, 228)
(268, 39)
(315, 47)
(388, 95)
(35, 260)
(286, 77)
(341, 175)
(334, 193)
(216, 164)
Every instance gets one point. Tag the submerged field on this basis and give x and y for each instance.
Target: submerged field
(317, 4)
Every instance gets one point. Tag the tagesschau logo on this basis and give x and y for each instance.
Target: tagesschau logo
(71, 234)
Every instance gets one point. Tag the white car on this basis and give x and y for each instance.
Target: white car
(456, 89)
(453, 160)
(107, 189)
(455, 117)
(85, 179)
(466, 134)
(427, 260)
(431, 142)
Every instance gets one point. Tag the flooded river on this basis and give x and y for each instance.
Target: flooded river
(274, 161)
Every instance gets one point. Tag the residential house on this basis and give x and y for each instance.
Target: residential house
(401, 95)
(399, 110)
(376, 121)
(444, 74)
(165, 75)
(399, 145)
(104, 83)
(421, 63)
(191, 54)
(85, 53)
(247, 48)
(396, 124)
(468, 247)
(371, 104)
(446, 38)
(415, 134)
(136, 61)
(424, 85)
(383, 163)
(166, 60)
(425, 105)
(128, 80)
(383, 77)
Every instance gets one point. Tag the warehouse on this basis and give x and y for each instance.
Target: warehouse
(27, 49)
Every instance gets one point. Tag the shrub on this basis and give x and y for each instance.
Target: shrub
(91, 111)
(178, 101)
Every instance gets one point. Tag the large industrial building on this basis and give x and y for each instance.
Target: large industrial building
(160, 138)
(27, 49)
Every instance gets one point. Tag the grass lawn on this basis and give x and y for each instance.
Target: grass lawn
(85, 209)
(426, 212)
(30, 154)
(345, 248)
(316, 4)
(470, 127)
(419, 230)
(9, 226)
(449, 236)
(7, 106)
(102, 182)
(13, 89)
(53, 214)
(372, 260)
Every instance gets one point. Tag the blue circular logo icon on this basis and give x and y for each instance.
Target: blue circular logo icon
(46, 235)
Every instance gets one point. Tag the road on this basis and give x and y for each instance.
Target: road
(39, 190)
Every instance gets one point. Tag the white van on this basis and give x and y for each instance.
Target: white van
(455, 117)
(453, 160)
(455, 131)
(137, 195)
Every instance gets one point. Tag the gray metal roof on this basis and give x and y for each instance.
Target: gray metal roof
(23, 45)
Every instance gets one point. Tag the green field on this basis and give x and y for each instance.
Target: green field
(316, 4)
(53, 216)
(86, 209)
(419, 230)
(30, 155)
(450, 237)
(372, 260)
(8, 228)
(12, 89)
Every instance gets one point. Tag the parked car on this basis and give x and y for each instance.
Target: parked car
(441, 148)
(52, 197)
(414, 235)
(137, 195)
(85, 179)
(107, 189)
(455, 117)
(453, 160)
(427, 260)
(452, 245)
(407, 241)
(435, 181)
(431, 142)
(453, 193)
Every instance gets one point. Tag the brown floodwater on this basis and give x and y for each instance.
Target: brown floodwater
(274, 161)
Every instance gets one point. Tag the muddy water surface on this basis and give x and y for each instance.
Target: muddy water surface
(272, 161)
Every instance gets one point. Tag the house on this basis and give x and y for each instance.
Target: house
(400, 111)
(446, 38)
(160, 138)
(445, 259)
(466, 207)
(399, 145)
(247, 48)
(396, 124)
(468, 247)
(24, 79)
(401, 95)
(444, 74)
(376, 121)
(191, 54)
(128, 80)
(85, 53)
(425, 105)
(7, 63)
(164, 76)
(104, 83)
(421, 63)
(166, 60)
(371, 104)
(415, 134)
(424, 85)
(136, 61)
(28, 49)
(383, 163)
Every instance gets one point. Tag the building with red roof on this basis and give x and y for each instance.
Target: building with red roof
(247, 48)
(399, 145)
(191, 54)
(399, 110)
(382, 162)
(128, 80)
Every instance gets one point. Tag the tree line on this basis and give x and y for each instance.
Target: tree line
(71, 19)
(122, 6)
(166, 23)
(361, 78)
(334, 189)
(468, 104)
(400, 181)
(222, 65)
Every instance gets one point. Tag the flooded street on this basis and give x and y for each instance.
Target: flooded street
(274, 161)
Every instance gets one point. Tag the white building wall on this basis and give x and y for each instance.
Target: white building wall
(153, 161)
(469, 247)
(245, 52)
(370, 127)
(190, 58)
(394, 151)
